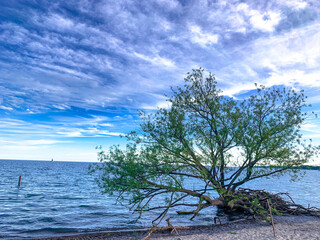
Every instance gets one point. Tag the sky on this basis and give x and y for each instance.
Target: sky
(73, 74)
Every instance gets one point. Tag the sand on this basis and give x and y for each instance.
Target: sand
(287, 227)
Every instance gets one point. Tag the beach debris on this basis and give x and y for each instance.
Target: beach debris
(170, 227)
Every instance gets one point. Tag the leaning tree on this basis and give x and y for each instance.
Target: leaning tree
(215, 141)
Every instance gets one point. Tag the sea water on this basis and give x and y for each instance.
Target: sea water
(61, 198)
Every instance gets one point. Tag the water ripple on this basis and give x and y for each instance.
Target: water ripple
(57, 198)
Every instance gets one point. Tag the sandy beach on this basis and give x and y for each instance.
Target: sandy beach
(287, 227)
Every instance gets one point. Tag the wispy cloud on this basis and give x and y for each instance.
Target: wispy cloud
(156, 60)
(6, 108)
(289, 59)
(80, 70)
(31, 142)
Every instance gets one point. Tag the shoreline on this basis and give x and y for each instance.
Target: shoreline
(287, 227)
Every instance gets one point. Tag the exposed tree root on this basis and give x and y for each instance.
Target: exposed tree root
(255, 202)
(251, 202)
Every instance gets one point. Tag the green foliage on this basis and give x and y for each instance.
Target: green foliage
(198, 137)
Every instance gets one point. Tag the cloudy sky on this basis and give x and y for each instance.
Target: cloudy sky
(74, 73)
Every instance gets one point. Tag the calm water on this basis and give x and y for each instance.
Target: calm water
(59, 198)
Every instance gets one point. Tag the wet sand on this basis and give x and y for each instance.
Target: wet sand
(287, 227)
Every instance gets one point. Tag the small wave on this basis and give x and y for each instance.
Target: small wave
(53, 230)
(8, 235)
(30, 195)
(23, 222)
(91, 207)
(85, 206)
(47, 219)
(69, 197)
(99, 214)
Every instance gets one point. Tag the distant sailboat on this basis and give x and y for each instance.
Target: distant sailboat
(52, 160)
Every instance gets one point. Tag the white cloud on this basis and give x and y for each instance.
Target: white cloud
(27, 145)
(236, 22)
(313, 100)
(311, 127)
(106, 125)
(201, 38)
(87, 132)
(58, 21)
(311, 131)
(70, 134)
(290, 77)
(157, 60)
(13, 32)
(160, 104)
(39, 142)
(291, 50)
(109, 133)
(61, 106)
(265, 21)
(295, 4)
(236, 88)
(75, 33)
(19, 148)
(64, 70)
(110, 57)
(289, 59)
(9, 122)
(60, 127)
(6, 108)
(166, 25)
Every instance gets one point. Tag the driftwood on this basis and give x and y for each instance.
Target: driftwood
(270, 212)
(170, 227)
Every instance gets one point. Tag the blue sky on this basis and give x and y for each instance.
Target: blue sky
(74, 73)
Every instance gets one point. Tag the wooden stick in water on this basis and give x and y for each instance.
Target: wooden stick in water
(19, 181)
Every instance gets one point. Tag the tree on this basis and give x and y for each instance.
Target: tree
(199, 138)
